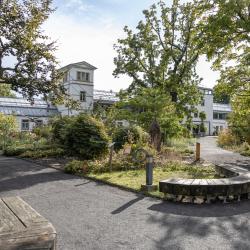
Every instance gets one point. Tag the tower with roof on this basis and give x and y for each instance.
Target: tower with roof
(78, 81)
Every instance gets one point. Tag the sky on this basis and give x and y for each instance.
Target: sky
(86, 30)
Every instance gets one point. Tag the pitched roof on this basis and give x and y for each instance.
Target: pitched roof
(104, 96)
(82, 64)
(22, 107)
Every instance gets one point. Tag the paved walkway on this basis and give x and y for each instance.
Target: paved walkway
(211, 152)
(89, 215)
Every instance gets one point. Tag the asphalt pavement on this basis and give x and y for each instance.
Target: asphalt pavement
(91, 215)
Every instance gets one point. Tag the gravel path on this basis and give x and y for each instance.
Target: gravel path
(211, 152)
(90, 215)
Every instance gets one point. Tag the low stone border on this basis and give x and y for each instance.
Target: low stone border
(234, 187)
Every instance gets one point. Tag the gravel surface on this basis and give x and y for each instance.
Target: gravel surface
(90, 215)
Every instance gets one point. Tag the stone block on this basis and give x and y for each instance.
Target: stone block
(199, 200)
(188, 199)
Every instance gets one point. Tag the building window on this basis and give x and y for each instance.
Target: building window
(196, 115)
(25, 126)
(220, 116)
(83, 76)
(39, 123)
(203, 102)
(83, 96)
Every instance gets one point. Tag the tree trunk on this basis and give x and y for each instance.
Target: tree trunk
(155, 134)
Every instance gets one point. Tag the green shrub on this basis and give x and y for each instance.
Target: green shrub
(244, 149)
(74, 167)
(120, 162)
(15, 150)
(227, 138)
(82, 136)
(43, 153)
(59, 128)
(43, 132)
(8, 126)
(131, 135)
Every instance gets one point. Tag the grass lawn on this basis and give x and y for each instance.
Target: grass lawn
(134, 178)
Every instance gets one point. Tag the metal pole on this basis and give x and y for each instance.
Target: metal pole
(149, 170)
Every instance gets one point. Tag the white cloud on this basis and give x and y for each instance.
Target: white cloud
(204, 70)
(78, 5)
(80, 40)
(91, 42)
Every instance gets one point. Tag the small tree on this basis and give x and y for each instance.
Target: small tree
(239, 118)
(8, 125)
(203, 117)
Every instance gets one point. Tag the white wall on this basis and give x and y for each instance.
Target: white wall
(74, 87)
(221, 124)
(208, 110)
(31, 124)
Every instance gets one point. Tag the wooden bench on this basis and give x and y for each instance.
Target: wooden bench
(236, 185)
(22, 228)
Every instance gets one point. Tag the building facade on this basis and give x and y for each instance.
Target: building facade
(216, 113)
(78, 81)
(28, 115)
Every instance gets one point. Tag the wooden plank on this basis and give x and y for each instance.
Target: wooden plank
(23, 228)
(30, 243)
(44, 228)
(8, 221)
(198, 151)
(23, 211)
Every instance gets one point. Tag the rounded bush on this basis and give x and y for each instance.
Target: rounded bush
(59, 125)
(74, 167)
(82, 136)
(133, 134)
(227, 138)
(43, 131)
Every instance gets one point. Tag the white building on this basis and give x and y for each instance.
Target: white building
(27, 115)
(216, 113)
(79, 82)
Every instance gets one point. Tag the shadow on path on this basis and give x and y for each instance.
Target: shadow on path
(177, 228)
(203, 210)
(22, 182)
(127, 205)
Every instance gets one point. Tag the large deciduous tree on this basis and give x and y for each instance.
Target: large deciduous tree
(27, 62)
(5, 91)
(226, 41)
(160, 57)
